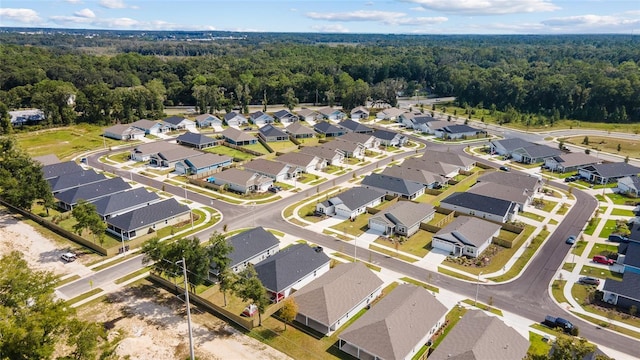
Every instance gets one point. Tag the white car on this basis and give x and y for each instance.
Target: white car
(68, 257)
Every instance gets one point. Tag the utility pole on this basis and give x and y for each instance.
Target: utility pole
(475, 303)
(186, 297)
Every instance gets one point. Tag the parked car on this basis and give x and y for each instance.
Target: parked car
(554, 322)
(601, 259)
(504, 168)
(275, 189)
(570, 178)
(571, 240)
(68, 257)
(618, 238)
(589, 280)
(250, 310)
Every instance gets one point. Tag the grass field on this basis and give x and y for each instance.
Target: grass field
(600, 273)
(609, 227)
(591, 226)
(224, 150)
(628, 147)
(622, 212)
(599, 249)
(65, 142)
(619, 199)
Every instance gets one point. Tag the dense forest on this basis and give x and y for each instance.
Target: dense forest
(120, 77)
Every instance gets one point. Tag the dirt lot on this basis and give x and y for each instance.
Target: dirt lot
(152, 321)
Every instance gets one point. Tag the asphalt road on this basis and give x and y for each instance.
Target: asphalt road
(527, 296)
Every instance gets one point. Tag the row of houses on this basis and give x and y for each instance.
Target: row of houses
(128, 212)
(396, 327)
(626, 292)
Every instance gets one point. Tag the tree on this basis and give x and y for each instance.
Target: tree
(619, 147)
(220, 261)
(626, 159)
(87, 217)
(290, 99)
(5, 120)
(249, 287)
(288, 311)
(585, 141)
(561, 144)
(34, 322)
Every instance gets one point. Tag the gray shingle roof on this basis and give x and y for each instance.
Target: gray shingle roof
(122, 129)
(395, 325)
(632, 258)
(68, 181)
(539, 151)
(328, 298)
(575, 159)
(325, 127)
(358, 197)
(259, 114)
(299, 129)
(265, 166)
(417, 175)
(384, 134)
(155, 147)
(328, 111)
(356, 137)
(144, 124)
(93, 191)
(174, 120)
(459, 129)
(209, 117)
(480, 203)
(231, 115)
(307, 113)
(283, 114)
(342, 144)
(467, 230)
(296, 158)
(618, 169)
(448, 158)
(629, 287)
(433, 166)
(235, 175)
(478, 336)
(511, 179)
(148, 215)
(124, 200)
(513, 144)
(207, 159)
(392, 184)
(407, 213)
(177, 154)
(237, 135)
(58, 169)
(354, 126)
(289, 265)
(270, 131)
(319, 151)
(500, 191)
(249, 244)
(194, 139)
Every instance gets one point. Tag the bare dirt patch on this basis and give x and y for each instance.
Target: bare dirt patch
(154, 325)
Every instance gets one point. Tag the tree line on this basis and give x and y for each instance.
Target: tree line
(589, 78)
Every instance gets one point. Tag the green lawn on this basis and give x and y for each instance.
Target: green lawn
(532, 216)
(392, 253)
(258, 147)
(65, 142)
(609, 227)
(568, 266)
(563, 209)
(619, 199)
(578, 248)
(452, 318)
(557, 290)
(526, 255)
(455, 274)
(548, 205)
(553, 222)
(600, 273)
(599, 249)
(224, 150)
(120, 157)
(421, 284)
(538, 345)
(419, 244)
(282, 146)
(622, 212)
(482, 306)
(591, 226)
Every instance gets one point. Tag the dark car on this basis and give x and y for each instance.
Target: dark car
(504, 168)
(570, 179)
(571, 240)
(618, 238)
(589, 280)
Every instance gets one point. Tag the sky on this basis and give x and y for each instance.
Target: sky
(332, 16)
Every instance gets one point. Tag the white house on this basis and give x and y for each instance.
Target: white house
(180, 123)
(466, 235)
(123, 132)
(235, 119)
(629, 185)
(350, 203)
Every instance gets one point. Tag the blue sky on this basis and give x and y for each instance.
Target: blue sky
(345, 16)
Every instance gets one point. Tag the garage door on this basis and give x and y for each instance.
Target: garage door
(443, 245)
(377, 226)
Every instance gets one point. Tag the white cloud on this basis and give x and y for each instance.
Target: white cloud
(27, 16)
(368, 3)
(74, 1)
(418, 8)
(124, 23)
(113, 4)
(85, 13)
(421, 21)
(332, 28)
(487, 7)
(591, 21)
(386, 17)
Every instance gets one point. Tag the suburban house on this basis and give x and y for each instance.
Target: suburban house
(304, 162)
(402, 218)
(285, 117)
(69, 181)
(150, 127)
(235, 119)
(629, 185)
(484, 207)
(274, 169)
(58, 169)
(259, 118)
(208, 120)
(90, 192)
(300, 131)
(350, 149)
(328, 129)
(367, 140)
(179, 123)
(122, 202)
(350, 203)
(169, 158)
(506, 146)
(332, 114)
(426, 178)
(148, 219)
(329, 156)
(570, 162)
(238, 137)
(396, 327)
(249, 247)
(397, 187)
(466, 236)
(123, 132)
(607, 173)
(270, 133)
(290, 269)
(463, 162)
(457, 132)
(534, 154)
(415, 121)
(522, 197)
(528, 183)
(309, 115)
(359, 113)
(391, 114)
(626, 293)
(202, 164)
(431, 127)
(195, 140)
(478, 336)
(242, 181)
(332, 299)
(354, 126)
(26, 117)
(390, 138)
(144, 152)
(46, 159)
(433, 166)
